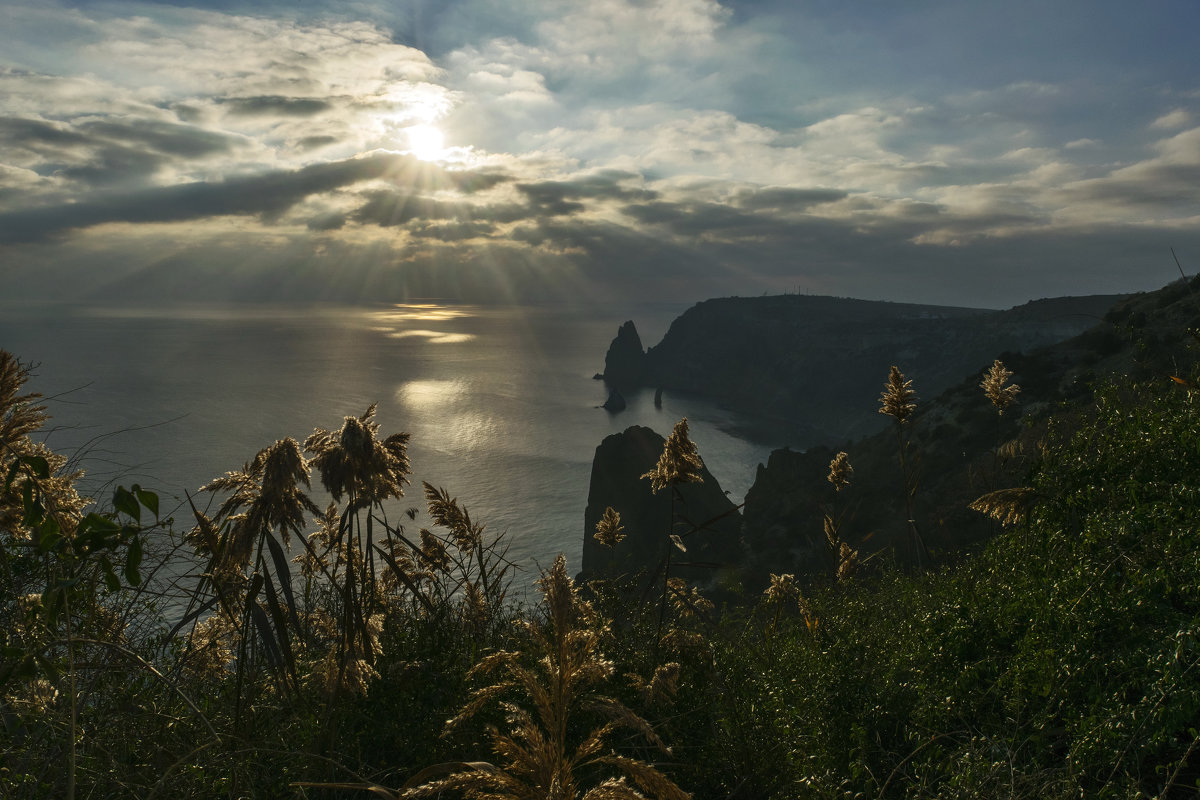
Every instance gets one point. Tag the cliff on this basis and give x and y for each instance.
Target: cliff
(625, 361)
(960, 446)
(807, 368)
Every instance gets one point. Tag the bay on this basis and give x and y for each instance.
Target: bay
(499, 401)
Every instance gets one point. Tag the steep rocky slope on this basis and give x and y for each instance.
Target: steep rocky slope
(806, 367)
(959, 445)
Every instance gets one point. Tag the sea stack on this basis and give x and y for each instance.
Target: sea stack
(615, 402)
(625, 362)
(618, 480)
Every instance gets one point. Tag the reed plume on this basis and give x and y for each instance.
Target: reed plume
(994, 386)
(898, 399)
(356, 463)
(840, 471)
(1006, 506)
(679, 462)
(782, 590)
(608, 529)
(21, 415)
(545, 753)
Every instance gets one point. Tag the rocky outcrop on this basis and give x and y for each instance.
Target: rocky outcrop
(808, 369)
(625, 361)
(617, 469)
(615, 402)
(954, 440)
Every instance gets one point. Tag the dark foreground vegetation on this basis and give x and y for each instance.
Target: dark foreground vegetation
(332, 652)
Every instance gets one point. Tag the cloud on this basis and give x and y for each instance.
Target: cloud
(1172, 120)
(786, 198)
(268, 194)
(623, 144)
(559, 197)
(1159, 188)
(275, 105)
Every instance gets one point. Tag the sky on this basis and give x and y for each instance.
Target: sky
(562, 151)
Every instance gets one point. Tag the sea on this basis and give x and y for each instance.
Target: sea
(500, 402)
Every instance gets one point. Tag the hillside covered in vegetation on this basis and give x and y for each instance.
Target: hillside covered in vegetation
(331, 652)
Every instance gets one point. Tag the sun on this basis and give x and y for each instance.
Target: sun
(426, 142)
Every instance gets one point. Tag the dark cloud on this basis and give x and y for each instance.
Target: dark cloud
(16, 131)
(388, 209)
(275, 105)
(313, 142)
(453, 231)
(1163, 186)
(471, 181)
(787, 198)
(113, 165)
(267, 195)
(560, 197)
(392, 208)
(106, 153)
(165, 137)
(707, 219)
(327, 222)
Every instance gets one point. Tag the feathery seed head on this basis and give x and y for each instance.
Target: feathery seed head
(19, 414)
(687, 600)
(840, 471)
(559, 595)
(1006, 506)
(608, 529)
(993, 385)
(679, 463)
(354, 461)
(433, 551)
(783, 589)
(447, 513)
(898, 399)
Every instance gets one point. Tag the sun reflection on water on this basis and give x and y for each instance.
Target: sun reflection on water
(394, 322)
(426, 394)
(433, 337)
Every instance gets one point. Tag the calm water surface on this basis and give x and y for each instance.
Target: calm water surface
(500, 403)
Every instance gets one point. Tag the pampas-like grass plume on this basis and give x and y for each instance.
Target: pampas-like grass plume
(782, 590)
(264, 495)
(21, 415)
(993, 385)
(679, 463)
(898, 399)
(608, 529)
(1006, 506)
(536, 759)
(840, 471)
(354, 461)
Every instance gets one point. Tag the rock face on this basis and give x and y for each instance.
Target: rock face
(615, 402)
(620, 461)
(625, 362)
(809, 369)
(954, 438)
